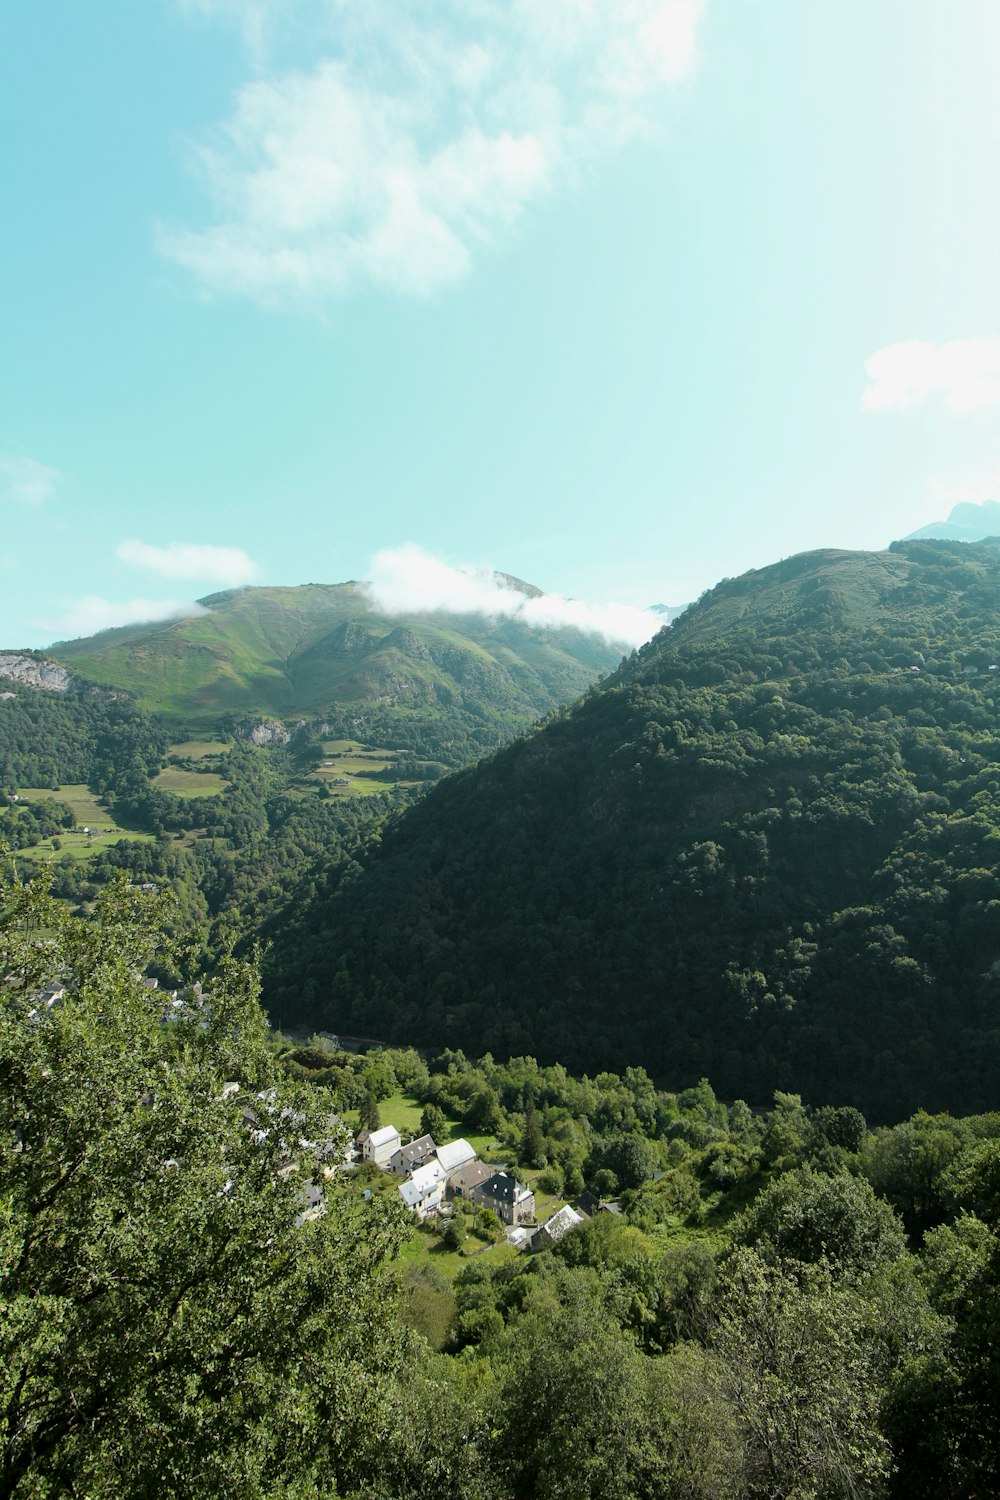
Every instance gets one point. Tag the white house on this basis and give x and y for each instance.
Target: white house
(423, 1192)
(453, 1155)
(379, 1145)
(551, 1232)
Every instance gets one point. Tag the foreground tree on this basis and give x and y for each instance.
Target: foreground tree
(171, 1322)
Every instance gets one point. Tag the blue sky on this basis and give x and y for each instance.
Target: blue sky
(621, 299)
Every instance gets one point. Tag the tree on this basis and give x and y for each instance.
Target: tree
(433, 1123)
(369, 1117)
(801, 1371)
(806, 1216)
(169, 1322)
(532, 1139)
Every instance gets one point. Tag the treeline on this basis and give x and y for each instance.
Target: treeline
(764, 851)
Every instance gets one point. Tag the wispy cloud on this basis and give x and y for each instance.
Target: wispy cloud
(27, 482)
(973, 486)
(407, 580)
(191, 560)
(421, 134)
(965, 372)
(90, 614)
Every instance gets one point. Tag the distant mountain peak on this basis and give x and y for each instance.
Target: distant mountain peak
(967, 522)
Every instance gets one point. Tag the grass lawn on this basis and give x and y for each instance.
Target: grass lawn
(189, 783)
(199, 749)
(403, 1111)
(427, 1249)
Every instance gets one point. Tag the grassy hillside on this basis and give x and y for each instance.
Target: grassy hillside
(765, 850)
(451, 685)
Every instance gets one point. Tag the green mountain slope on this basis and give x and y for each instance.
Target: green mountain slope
(766, 850)
(442, 684)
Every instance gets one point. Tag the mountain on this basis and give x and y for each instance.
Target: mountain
(966, 523)
(765, 851)
(442, 684)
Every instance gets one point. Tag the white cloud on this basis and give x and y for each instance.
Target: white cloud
(27, 482)
(225, 565)
(90, 614)
(966, 487)
(420, 134)
(407, 580)
(966, 372)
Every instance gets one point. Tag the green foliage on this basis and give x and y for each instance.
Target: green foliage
(813, 1218)
(765, 849)
(158, 1287)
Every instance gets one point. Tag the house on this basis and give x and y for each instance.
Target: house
(379, 1146)
(465, 1178)
(408, 1158)
(423, 1192)
(313, 1202)
(591, 1205)
(454, 1154)
(551, 1232)
(520, 1237)
(509, 1199)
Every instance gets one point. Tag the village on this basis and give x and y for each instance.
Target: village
(434, 1178)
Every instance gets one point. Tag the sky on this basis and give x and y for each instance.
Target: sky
(619, 299)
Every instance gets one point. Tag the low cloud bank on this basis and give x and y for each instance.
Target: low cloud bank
(229, 566)
(964, 372)
(91, 614)
(408, 580)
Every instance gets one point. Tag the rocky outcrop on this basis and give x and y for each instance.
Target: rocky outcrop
(267, 732)
(34, 671)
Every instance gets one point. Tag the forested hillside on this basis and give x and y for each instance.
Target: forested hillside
(766, 850)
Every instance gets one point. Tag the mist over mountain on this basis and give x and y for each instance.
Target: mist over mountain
(444, 682)
(764, 850)
(967, 522)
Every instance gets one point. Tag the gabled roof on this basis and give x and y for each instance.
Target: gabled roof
(562, 1221)
(383, 1137)
(417, 1150)
(423, 1182)
(455, 1154)
(464, 1178)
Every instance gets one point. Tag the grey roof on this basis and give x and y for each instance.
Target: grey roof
(417, 1150)
(503, 1188)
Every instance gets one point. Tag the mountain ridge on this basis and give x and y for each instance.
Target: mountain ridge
(317, 650)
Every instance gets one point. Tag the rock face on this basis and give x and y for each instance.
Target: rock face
(34, 672)
(269, 733)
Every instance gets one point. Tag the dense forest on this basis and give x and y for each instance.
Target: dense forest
(765, 851)
(784, 1303)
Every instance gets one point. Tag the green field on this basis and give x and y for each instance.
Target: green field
(88, 814)
(352, 762)
(183, 783)
(198, 749)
